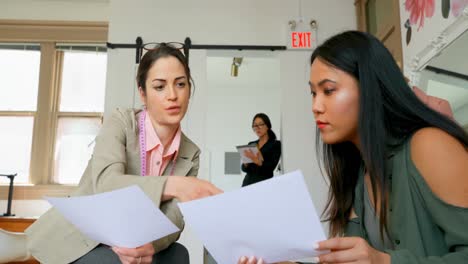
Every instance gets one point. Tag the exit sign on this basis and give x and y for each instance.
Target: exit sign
(301, 40)
(302, 34)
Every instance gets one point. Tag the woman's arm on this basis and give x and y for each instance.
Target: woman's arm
(172, 211)
(443, 162)
(109, 164)
(249, 167)
(271, 156)
(108, 172)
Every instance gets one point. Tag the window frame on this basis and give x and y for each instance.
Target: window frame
(47, 34)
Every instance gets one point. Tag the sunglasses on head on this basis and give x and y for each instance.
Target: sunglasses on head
(175, 45)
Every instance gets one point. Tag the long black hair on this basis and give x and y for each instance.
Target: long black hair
(389, 113)
(266, 120)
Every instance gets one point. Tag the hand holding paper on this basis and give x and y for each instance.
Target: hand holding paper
(242, 151)
(274, 220)
(124, 217)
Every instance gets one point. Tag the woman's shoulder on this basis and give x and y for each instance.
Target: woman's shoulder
(277, 143)
(126, 116)
(435, 142)
(188, 143)
(120, 121)
(442, 161)
(254, 142)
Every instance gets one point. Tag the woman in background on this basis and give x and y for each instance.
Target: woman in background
(264, 163)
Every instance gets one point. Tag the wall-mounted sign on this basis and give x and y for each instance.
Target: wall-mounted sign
(302, 35)
(301, 40)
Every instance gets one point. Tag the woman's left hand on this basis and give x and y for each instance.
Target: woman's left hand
(351, 250)
(257, 159)
(140, 255)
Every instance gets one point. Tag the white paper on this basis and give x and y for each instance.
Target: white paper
(242, 149)
(125, 217)
(273, 219)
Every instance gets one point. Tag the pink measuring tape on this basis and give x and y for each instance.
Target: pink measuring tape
(142, 139)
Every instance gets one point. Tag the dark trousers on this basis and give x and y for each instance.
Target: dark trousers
(174, 254)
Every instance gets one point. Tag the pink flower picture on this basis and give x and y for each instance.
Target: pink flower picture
(457, 6)
(419, 10)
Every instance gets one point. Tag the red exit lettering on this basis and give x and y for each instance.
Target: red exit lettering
(300, 39)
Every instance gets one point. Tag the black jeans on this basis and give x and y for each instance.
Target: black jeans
(174, 254)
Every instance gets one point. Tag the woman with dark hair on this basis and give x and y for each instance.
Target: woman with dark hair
(143, 147)
(398, 170)
(264, 163)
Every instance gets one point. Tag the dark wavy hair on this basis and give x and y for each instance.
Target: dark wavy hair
(266, 120)
(389, 113)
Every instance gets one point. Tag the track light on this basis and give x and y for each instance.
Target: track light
(236, 63)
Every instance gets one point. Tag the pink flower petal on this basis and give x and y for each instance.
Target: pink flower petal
(409, 4)
(421, 20)
(429, 8)
(457, 6)
(414, 18)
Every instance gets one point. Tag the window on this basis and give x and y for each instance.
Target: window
(81, 105)
(52, 100)
(19, 65)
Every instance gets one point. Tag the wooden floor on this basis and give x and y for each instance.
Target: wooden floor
(16, 224)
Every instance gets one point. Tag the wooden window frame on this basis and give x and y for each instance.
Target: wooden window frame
(47, 34)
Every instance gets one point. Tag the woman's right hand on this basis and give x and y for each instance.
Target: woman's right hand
(257, 159)
(188, 188)
(253, 260)
(139, 255)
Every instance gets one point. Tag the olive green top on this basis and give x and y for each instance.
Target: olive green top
(422, 227)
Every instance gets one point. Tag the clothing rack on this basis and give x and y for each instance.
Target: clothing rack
(447, 72)
(188, 45)
(10, 193)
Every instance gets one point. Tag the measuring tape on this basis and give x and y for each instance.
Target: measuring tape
(142, 139)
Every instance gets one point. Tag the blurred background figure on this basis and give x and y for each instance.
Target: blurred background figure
(265, 161)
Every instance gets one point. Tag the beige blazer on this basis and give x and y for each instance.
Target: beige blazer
(115, 163)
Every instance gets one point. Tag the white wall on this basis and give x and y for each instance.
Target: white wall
(298, 128)
(242, 22)
(84, 10)
(259, 22)
(232, 102)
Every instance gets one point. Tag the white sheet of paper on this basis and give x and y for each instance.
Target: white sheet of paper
(242, 149)
(125, 217)
(273, 219)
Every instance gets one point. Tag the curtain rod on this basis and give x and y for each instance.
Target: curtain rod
(188, 44)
